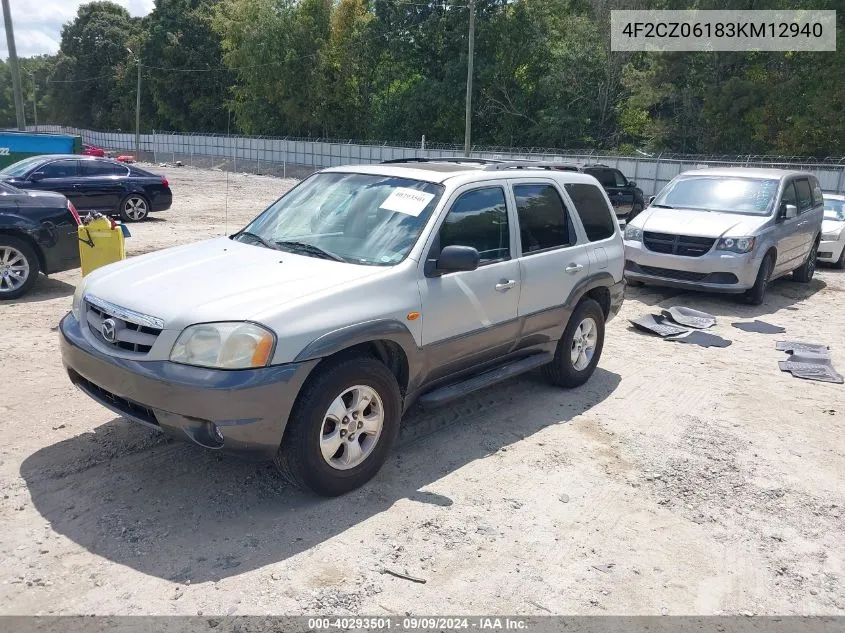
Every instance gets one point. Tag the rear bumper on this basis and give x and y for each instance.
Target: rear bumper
(242, 411)
(161, 201)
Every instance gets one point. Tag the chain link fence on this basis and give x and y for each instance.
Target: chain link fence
(298, 157)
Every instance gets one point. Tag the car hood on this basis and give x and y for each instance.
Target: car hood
(218, 280)
(832, 226)
(698, 223)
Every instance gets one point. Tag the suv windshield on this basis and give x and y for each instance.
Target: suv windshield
(358, 218)
(21, 167)
(834, 209)
(749, 196)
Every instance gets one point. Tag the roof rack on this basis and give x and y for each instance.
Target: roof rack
(443, 159)
(527, 164)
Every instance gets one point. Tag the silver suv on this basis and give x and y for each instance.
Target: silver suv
(727, 230)
(304, 337)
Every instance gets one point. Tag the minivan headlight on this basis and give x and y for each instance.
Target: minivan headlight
(832, 236)
(226, 345)
(633, 234)
(736, 244)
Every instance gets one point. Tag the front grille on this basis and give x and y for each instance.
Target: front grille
(668, 273)
(125, 406)
(684, 245)
(129, 336)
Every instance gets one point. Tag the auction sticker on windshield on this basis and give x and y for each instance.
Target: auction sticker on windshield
(407, 201)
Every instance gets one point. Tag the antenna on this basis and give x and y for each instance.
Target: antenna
(226, 216)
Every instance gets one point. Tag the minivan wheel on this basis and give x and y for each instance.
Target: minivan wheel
(18, 267)
(757, 292)
(805, 272)
(134, 208)
(579, 349)
(342, 426)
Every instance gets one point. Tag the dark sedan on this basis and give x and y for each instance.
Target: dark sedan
(94, 184)
(38, 232)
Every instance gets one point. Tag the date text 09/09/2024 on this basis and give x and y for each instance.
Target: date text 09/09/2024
(722, 29)
(419, 623)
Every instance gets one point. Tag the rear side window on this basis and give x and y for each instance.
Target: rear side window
(479, 218)
(805, 195)
(543, 223)
(592, 208)
(102, 168)
(59, 169)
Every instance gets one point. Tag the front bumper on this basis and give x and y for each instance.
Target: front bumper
(716, 271)
(830, 251)
(237, 411)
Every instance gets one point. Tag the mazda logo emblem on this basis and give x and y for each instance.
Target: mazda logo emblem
(108, 330)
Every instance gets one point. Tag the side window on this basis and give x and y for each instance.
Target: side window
(542, 218)
(592, 208)
(102, 168)
(789, 196)
(621, 181)
(59, 169)
(479, 218)
(818, 197)
(605, 176)
(805, 195)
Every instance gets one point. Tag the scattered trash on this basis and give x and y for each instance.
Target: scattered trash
(539, 606)
(606, 568)
(657, 324)
(564, 498)
(761, 327)
(179, 163)
(398, 574)
(690, 318)
(811, 366)
(125, 158)
(795, 346)
(162, 165)
(703, 339)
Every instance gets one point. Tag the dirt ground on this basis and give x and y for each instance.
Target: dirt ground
(679, 480)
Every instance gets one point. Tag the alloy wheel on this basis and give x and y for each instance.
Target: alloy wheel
(351, 427)
(14, 269)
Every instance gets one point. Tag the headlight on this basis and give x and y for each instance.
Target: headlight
(77, 299)
(736, 244)
(833, 236)
(228, 345)
(633, 234)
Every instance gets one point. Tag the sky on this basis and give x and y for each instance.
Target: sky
(38, 23)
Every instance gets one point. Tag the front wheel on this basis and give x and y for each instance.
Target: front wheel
(134, 208)
(757, 292)
(342, 426)
(579, 349)
(805, 272)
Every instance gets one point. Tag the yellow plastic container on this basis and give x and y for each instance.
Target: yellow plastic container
(100, 244)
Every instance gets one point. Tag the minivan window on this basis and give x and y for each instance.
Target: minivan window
(359, 218)
(725, 194)
(805, 195)
(479, 218)
(543, 222)
(789, 196)
(592, 209)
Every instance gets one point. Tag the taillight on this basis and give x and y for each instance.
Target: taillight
(74, 213)
(164, 182)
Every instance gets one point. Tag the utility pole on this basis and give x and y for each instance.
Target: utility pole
(13, 63)
(470, 55)
(34, 103)
(137, 107)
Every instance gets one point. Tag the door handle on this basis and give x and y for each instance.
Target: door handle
(505, 284)
(574, 268)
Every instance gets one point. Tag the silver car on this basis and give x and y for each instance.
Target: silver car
(727, 230)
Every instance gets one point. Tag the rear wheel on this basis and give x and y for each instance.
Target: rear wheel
(805, 272)
(342, 426)
(757, 292)
(18, 267)
(579, 349)
(134, 208)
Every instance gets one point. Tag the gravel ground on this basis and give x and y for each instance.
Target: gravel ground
(679, 480)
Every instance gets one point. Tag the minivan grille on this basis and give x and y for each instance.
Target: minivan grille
(128, 335)
(684, 245)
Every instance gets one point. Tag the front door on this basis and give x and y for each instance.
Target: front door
(789, 239)
(471, 316)
(59, 176)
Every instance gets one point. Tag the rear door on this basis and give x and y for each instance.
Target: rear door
(552, 257)
(101, 184)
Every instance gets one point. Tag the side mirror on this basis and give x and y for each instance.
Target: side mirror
(457, 258)
(632, 183)
(35, 177)
(651, 199)
(790, 211)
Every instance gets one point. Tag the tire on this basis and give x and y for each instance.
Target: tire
(805, 272)
(634, 212)
(756, 294)
(18, 267)
(562, 371)
(134, 208)
(311, 430)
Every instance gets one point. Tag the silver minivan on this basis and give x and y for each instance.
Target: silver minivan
(727, 230)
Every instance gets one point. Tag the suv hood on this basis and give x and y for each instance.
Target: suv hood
(699, 223)
(218, 280)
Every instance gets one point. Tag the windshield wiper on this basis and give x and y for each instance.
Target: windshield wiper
(259, 239)
(662, 206)
(311, 249)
